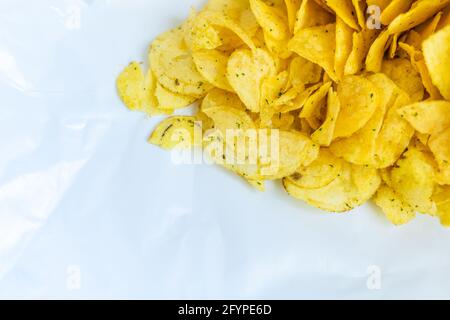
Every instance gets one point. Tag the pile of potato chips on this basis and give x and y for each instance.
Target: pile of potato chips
(357, 92)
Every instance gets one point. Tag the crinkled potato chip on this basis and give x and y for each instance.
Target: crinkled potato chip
(359, 98)
(246, 71)
(316, 44)
(176, 132)
(428, 116)
(395, 209)
(436, 50)
(343, 100)
(413, 178)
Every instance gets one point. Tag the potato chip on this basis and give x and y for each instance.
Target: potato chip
(394, 9)
(271, 89)
(272, 20)
(445, 19)
(300, 100)
(413, 178)
(246, 71)
(313, 102)
(176, 132)
(316, 44)
(212, 65)
(318, 174)
(229, 118)
(325, 133)
(174, 67)
(360, 8)
(436, 50)
(419, 12)
(395, 209)
(221, 98)
(344, 10)
(353, 186)
(170, 100)
(402, 72)
(442, 199)
(311, 14)
(359, 98)
(303, 72)
(429, 27)
(440, 146)
(344, 45)
(361, 146)
(429, 117)
(292, 7)
(382, 4)
(374, 59)
(130, 86)
(395, 134)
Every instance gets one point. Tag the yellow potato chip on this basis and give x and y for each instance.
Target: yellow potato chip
(442, 199)
(316, 44)
(130, 86)
(402, 72)
(359, 98)
(445, 19)
(311, 14)
(174, 67)
(344, 45)
(212, 65)
(429, 117)
(221, 98)
(440, 146)
(272, 20)
(360, 8)
(429, 27)
(436, 50)
(353, 186)
(382, 4)
(344, 10)
(324, 135)
(374, 59)
(395, 209)
(170, 100)
(283, 121)
(419, 12)
(303, 72)
(362, 42)
(318, 174)
(361, 146)
(271, 89)
(395, 134)
(229, 118)
(300, 100)
(292, 7)
(394, 9)
(246, 71)
(413, 178)
(176, 132)
(314, 101)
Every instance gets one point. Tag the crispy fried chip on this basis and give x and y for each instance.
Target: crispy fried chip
(176, 132)
(316, 44)
(395, 209)
(436, 50)
(344, 45)
(440, 146)
(428, 116)
(311, 14)
(324, 135)
(212, 65)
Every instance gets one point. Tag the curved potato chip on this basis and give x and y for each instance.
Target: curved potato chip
(395, 209)
(292, 7)
(300, 100)
(360, 7)
(270, 19)
(429, 27)
(221, 98)
(344, 45)
(361, 146)
(170, 100)
(175, 132)
(130, 86)
(314, 101)
(212, 65)
(303, 72)
(354, 62)
(442, 199)
(318, 174)
(277, 47)
(359, 98)
(324, 135)
(344, 10)
(394, 9)
(419, 12)
(436, 50)
(229, 118)
(374, 59)
(445, 20)
(353, 186)
(283, 121)
(413, 178)
(402, 72)
(320, 50)
(440, 147)
(271, 89)
(174, 66)
(245, 73)
(311, 14)
(429, 117)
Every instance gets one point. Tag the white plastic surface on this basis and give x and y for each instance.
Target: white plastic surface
(89, 210)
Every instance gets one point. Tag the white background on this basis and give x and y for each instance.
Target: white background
(89, 210)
